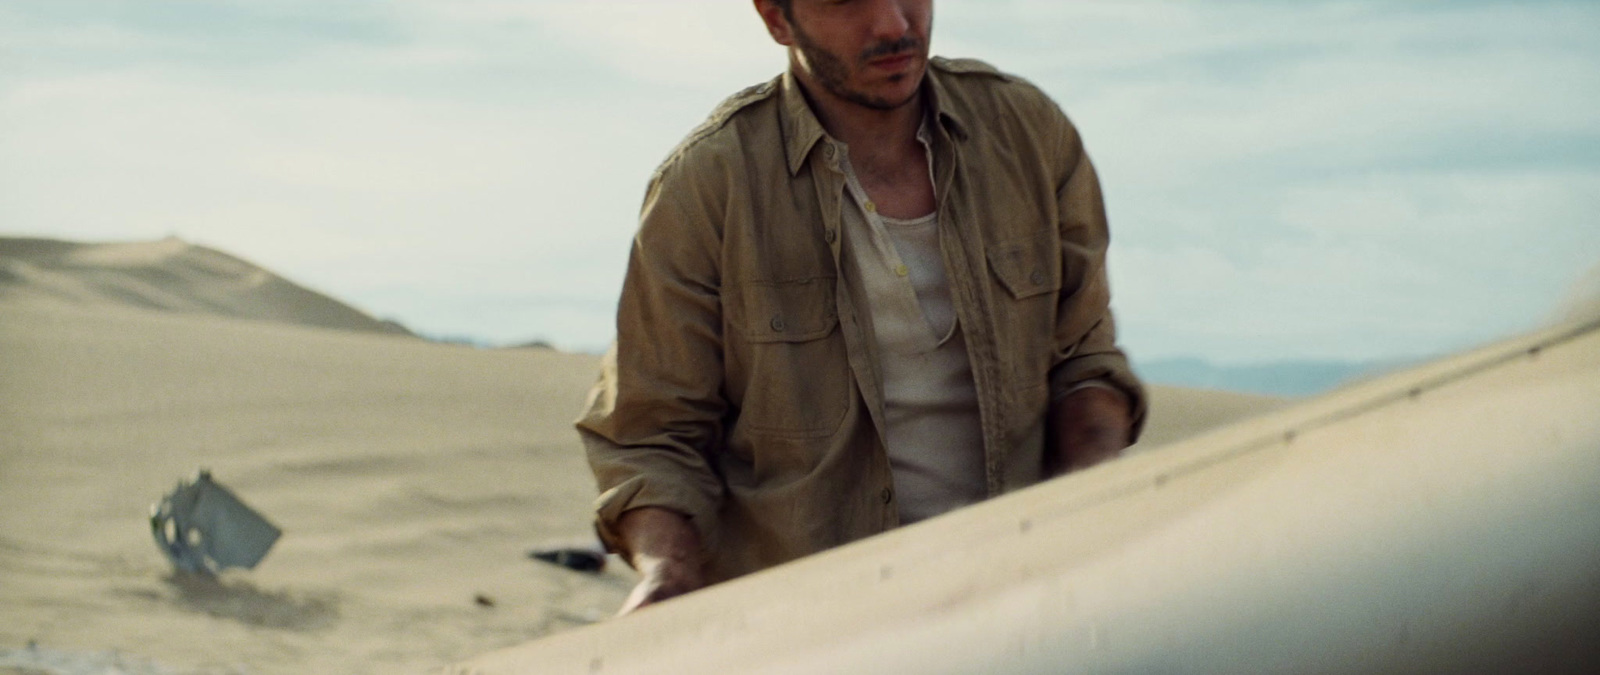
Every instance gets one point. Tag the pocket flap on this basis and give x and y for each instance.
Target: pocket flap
(1028, 267)
(784, 311)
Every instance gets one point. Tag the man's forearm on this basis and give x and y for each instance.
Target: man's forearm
(666, 550)
(658, 533)
(1087, 427)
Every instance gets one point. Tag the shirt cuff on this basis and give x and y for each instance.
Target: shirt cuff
(1096, 383)
(639, 492)
(1109, 370)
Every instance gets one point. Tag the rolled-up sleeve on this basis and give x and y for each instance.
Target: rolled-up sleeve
(1085, 340)
(654, 417)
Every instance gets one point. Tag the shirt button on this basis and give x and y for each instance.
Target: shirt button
(888, 495)
(870, 207)
(829, 235)
(777, 324)
(1037, 278)
(901, 270)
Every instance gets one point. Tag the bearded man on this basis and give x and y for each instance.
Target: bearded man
(862, 294)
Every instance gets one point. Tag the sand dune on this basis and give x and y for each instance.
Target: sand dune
(1583, 299)
(409, 477)
(169, 275)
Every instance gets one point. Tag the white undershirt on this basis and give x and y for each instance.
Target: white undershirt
(895, 269)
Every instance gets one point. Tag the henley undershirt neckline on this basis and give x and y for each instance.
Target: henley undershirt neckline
(895, 269)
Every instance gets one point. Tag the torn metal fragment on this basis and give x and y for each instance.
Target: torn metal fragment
(203, 528)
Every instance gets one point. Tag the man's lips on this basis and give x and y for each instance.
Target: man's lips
(896, 62)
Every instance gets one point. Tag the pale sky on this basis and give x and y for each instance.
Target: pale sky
(1286, 179)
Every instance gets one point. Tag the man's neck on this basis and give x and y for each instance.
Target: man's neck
(876, 137)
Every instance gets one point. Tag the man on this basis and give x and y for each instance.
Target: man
(864, 293)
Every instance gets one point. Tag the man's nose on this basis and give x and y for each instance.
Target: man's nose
(890, 19)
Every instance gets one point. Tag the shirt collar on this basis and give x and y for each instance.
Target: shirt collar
(939, 101)
(802, 130)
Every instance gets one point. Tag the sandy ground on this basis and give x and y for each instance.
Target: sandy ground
(1582, 299)
(410, 477)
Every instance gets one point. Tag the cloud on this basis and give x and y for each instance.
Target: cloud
(683, 44)
(1368, 267)
(1343, 180)
(358, 194)
(1334, 179)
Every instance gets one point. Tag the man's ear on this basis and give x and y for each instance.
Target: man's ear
(777, 24)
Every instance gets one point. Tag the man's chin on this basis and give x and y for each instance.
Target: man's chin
(908, 84)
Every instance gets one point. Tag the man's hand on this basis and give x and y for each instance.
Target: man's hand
(665, 548)
(1088, 426)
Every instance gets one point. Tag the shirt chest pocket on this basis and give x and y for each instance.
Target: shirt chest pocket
(1030, 271)
(789, 370)
(1027, 267)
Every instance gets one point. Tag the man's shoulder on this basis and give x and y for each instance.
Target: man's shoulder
(731, 108)
(719, 123)
(986, 95)
(965, 66)
(965, 74)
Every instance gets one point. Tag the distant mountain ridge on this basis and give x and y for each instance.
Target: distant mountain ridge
(169, 275)
(1283, 378)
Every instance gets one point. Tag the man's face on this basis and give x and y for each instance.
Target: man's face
(869, 52)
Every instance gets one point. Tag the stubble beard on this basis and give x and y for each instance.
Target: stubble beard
(833, 73)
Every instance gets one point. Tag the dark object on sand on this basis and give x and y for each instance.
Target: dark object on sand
(580, 559)
(203, 528)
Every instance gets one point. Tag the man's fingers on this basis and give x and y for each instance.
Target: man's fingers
(644, 594)
(642, 597)
(656, 588)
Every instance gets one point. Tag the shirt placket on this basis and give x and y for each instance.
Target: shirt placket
(963, 256)
(829, 180)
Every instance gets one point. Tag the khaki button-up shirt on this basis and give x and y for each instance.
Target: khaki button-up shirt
(743, 391)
